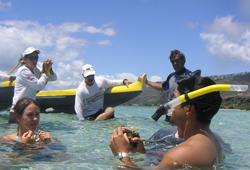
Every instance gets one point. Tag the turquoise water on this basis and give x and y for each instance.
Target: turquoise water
(84, 144)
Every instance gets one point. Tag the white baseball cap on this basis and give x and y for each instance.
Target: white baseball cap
(88, 70)
(30, 50)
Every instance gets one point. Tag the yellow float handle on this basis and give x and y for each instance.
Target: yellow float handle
(47, 72)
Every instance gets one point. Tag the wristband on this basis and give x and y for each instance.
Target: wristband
(124, 81)
(121, 155)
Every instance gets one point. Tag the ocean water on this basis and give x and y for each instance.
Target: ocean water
(85, 144)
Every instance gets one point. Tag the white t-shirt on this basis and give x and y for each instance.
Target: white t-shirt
(28, 84)
(89, 99)
(4, 77)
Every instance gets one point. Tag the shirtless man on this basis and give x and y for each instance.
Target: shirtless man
(200, 147)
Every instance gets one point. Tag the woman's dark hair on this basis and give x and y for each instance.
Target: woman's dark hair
(22, 104)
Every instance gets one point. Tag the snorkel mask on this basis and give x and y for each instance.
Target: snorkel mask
(187, 84)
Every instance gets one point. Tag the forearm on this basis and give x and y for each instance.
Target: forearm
(156, 86)
(127, 162)
(79, 111)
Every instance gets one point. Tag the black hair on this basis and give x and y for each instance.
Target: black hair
(173, 53)
(207, 105)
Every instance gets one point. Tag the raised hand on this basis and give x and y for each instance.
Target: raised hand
(119, 142)
(29, 137)
(44, 136)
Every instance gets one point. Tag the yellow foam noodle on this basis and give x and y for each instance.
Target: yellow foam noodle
(47, 72)
(69, 92)
(8, 83)
(137, 86)
(205, 90)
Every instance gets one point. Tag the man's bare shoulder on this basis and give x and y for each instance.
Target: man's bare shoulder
(198, 151)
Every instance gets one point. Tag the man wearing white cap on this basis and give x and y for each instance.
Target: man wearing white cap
(29, 79)
(90, 94)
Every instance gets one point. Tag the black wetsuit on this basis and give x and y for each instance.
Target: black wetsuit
(170, 84)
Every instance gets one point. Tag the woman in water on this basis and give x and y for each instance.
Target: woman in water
(27, 113)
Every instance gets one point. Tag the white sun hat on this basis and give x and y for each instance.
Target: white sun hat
(88, 70)
(30, 50)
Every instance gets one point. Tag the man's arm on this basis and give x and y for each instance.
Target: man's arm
(79, 98)
(156, 86)
(127, 82)
(107, 83)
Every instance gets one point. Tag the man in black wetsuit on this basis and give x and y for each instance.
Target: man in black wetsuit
(178, 60)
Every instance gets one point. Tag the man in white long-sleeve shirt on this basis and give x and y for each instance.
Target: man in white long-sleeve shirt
(29, 79)
(90, 94)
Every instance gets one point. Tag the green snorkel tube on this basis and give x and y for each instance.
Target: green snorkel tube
(167, 108)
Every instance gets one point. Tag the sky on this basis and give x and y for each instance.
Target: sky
(126, 38)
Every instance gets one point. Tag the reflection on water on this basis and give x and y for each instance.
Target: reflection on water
(84, 144)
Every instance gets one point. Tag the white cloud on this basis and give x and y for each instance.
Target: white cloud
(128, 76)
(69, 76)
(109, 32)
(55, 42)
(108, 24)
(106, 31)
(226, 25)
(104, 42)
(4, 5)
(3, 72)
(107, 76)
(228, 40)
(155, 79)
(15, 36)
(192, 25)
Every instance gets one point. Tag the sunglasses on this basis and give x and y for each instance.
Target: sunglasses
(33, 57)
(177, 61)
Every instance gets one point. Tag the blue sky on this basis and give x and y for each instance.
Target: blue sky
(126, 38)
